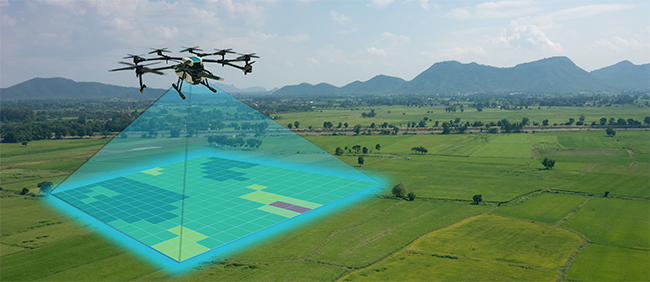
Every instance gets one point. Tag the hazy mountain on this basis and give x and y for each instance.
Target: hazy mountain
(62, 88)
(625, 75)
(229, 88)
(379, 84)
(306, 89)
(550, 75)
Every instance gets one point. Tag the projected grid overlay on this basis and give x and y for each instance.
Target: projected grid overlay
(224, 200)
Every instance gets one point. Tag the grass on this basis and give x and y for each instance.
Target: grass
(462, 178)
(548, 208)
(616, 184)
(391, 229)
(410, 266)
(623, 223)
(401, 115)
(608, 263)
(503, 239)
(40, 244)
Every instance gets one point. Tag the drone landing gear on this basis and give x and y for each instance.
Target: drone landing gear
(178, 88)
(205, 83)
(142, 86)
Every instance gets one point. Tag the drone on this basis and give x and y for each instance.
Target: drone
(190, 68)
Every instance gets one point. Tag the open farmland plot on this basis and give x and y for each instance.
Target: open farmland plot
(450, 145)
(615, 156)
(616, 184)
(608, 263)
(502, 239)
(547, 208)
(623, 223)
(413, 266)
(367, 242)
(637, 141)
(455, 178)
(506, 146)
(592, 139)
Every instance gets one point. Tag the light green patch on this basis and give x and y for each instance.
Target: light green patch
(192, 249)
(278, 211)
(153, 171)
(262, 197)
(170, 247)
(256, 187)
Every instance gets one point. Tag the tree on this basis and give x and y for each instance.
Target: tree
(399, 190)
(378, 147)
(365, 150)
(545, 122)
(610, 132)
(346, 125)
(339, 151)
(290, 125)
(548, 163)
(24, 191)
(646, 120)
(477, 199)
(524, 121)
(356, 148)
(296, 124)
(24, 143)
(603, 121)
(357, 129)
(327, 124)
(45, 187)
(360, 160)
(411, 196)
(420, 150)
(175, 132)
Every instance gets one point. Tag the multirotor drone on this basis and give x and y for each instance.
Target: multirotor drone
(189, 69)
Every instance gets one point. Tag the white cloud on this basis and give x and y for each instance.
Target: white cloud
(339, 18)
(347, 31)
(527, 36)
(619, 44)
(8, 21)
(581, 12)
(312, 61)
(375, 51)
(380, 3)
(297, 38)
(489, 10)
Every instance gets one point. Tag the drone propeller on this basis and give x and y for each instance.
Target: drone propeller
(223, 51)
(139, 69)
(159, 51)
(191, 49)
(247, 57)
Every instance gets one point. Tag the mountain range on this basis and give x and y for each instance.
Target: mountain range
(550, 75)
(63, 88)
(553, 75)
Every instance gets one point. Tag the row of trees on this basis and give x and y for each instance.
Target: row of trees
(234, 142)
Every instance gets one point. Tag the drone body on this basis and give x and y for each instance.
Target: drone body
(189, 69)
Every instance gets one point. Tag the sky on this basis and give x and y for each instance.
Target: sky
(336, 42)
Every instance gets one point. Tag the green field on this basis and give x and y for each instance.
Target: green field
(439, 236)
(503, 239)
(623, 223)
(609, 263)
(411, 266)
(547, 208)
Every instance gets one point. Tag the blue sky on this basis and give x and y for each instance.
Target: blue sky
(336, 42)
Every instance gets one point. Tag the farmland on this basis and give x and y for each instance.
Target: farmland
(533, 223)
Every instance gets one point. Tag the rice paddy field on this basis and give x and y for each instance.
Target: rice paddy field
(533, 224)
